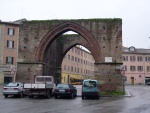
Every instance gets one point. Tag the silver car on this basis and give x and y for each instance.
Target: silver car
(13, 89)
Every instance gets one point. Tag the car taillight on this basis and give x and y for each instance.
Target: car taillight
(67, 90)
(5, 88)
(55, 90)
(15, 88)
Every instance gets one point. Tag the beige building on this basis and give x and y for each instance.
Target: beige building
(137, 65)
(77, 63)
(9, 34)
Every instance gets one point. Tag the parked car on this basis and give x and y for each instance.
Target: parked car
(65, 90)
(148, 83)
(90, 88)
(13, 89)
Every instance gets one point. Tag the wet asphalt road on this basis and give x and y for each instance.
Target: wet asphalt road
(138, 102)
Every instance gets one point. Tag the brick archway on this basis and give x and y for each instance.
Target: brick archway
(64, 27)
(40, 53)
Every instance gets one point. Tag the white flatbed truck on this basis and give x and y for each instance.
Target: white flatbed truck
(43, 86)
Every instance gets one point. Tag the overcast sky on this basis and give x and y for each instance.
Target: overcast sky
(135, 14)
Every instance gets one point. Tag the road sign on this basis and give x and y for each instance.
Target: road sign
(12, 70)
(122, 70)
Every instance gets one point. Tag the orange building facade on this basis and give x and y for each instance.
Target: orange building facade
(9, 34)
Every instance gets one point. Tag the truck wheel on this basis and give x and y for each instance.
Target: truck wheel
(82, 97)
(31, 96)
(55, 97)
(6, 96)
(48, 95)
(21, 95)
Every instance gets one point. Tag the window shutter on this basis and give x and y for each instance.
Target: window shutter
(13, 31)
(6, 60)
(12, 44)
(8, 31)
(12, 60)
(7, 43)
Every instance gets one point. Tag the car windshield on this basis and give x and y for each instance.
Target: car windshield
(12, 84)
(62, 86)
(89, 84)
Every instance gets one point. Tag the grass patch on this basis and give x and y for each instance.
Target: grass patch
(112, 93)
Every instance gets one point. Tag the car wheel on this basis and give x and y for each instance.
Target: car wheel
(31, 96)
(55, 97)
(97, 96)
(75, 95)
(21, 95)
(82, 97)
(71, 96)
(6, 96)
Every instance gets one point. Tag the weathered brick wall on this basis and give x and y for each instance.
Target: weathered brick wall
(106, 33)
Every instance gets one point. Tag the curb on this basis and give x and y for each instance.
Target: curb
(127, 94)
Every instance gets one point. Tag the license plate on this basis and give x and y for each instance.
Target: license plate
(10, 88)
(61, 90)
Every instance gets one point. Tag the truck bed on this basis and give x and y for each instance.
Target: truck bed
(38, 86)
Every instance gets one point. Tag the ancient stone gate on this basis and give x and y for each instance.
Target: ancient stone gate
(42, 48)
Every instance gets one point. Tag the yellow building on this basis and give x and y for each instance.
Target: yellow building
(78, 63)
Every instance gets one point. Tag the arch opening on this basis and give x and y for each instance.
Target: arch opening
(77, 65)
(62, 28)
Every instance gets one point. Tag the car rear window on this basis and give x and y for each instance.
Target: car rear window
(90, 84)
(12, 84)
(62, 86)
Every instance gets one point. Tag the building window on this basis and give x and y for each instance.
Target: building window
(148, 68)
(132, 58)
(64, 67)
(72, 58)
(139, 76)
(75, 59)
(140, 68)
(72, 49)
(125, 58)
(132, 48)
(75, 50)
(78, 52)
(78, 70)
(10, 44)
(147, 59)
(125, 68)
(68, 68)
(9, 60)
(139, 58)
(79, 60)
(68, 57)
(11, 31)
(72, 68)
(132, 68)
